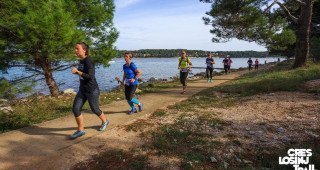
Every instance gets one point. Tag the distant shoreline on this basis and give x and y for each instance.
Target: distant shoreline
(173, 53)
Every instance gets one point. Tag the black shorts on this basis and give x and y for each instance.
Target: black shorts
(129, 91)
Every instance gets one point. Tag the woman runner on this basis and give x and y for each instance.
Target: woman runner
(88, 90)
(130, 80)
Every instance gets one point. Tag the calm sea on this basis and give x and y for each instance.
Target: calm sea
(163, 68)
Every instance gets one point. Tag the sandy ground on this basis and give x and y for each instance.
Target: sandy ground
(46, 145)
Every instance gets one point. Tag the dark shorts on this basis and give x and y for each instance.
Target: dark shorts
(82, 97)
(209, 72)
(129, 91)
(183, 78)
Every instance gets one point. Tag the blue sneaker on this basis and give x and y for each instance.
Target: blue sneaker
(77, 134)
(140, 107)
(132, 112)
(103, 126)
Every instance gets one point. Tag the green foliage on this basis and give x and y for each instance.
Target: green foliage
(245, 20)
(9, 91)
(41, 34)
(283, 40)
(281, 78)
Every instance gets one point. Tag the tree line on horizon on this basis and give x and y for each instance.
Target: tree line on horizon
(168, 53)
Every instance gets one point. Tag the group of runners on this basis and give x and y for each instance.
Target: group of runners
(89, 89)
(256, 64)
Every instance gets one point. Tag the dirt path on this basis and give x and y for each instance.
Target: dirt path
(46, 145)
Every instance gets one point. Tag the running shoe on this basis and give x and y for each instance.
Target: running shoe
(103, 126)
(132, 112)
(140, 107)
(77, 134)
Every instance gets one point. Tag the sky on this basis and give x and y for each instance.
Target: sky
(169, 24)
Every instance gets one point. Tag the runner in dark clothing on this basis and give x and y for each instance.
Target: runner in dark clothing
(88, 90)
(225, 65)
(256, 64)
(229, 63)
(250, 63)
(209, 69)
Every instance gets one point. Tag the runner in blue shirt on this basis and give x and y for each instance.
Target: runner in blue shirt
(130, 80)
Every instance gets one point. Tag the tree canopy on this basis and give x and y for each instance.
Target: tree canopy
(41, 35)
(263, 21)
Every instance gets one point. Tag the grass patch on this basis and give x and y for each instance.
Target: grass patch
(115, 159)
(107, 98)
(203, 100)
(280, 78)
(186, 139)
(138, 125)
(156, 87)
(159, 113)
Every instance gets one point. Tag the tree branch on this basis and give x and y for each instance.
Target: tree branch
(63, 67)
(22, 78)
(300, 2)
(287, 12)
(268, 8)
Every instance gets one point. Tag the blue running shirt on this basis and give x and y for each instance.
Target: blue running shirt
(129, 71)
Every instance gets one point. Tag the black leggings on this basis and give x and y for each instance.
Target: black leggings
(129, 91)
(209, 70)
(183, 77)
(225, 69)
(82, 97)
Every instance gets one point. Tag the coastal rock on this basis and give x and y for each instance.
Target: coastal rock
(69, 91)
(213, 159)
(152, 79)
(6, 109)
(3, 100)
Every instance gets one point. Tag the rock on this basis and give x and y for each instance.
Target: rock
(238, 159)
(280, 130)
(3, 100)
(138, 90)
(247, 161)
(225, 165)
(252, 133)
(312, 134)
(247, 128)
(152, 79)
(213, 159)
(118, 98)
(197, 97)
(285, 139)
(69, 91)
(6, 109)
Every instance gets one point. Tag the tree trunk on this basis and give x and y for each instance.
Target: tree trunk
(303, 34)
(51, 83)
